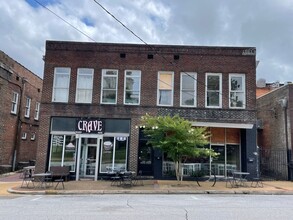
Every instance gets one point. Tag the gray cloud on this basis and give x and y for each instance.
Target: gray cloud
(264, 24)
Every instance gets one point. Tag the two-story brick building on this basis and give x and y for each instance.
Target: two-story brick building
(94, 95)
(20, 99)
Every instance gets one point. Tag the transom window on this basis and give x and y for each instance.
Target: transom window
(27, 107)
(84, 86)
(15, 96)
(214, 90)
(132, 87)
(237, 90)
(165, 88)
(188, 89)
(109, 86)
(61, 84)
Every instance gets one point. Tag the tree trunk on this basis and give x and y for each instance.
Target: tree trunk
(178, 171)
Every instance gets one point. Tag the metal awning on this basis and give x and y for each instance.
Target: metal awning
(222, 125)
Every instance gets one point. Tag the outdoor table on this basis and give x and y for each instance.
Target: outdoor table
(40, 179)
(239, 178)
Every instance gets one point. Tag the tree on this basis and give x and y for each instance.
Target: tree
(177, 138)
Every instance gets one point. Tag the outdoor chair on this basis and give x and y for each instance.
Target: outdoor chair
(137, 180)
(230, 180)
(116, 180)
(27, 178)
(59, 180)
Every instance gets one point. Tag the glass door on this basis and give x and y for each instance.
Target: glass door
(88, 157)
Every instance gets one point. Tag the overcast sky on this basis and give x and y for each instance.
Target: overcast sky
(264, 24)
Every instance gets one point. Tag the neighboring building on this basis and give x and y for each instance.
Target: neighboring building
(20, 99)
(95, 94)
(275, 118)
(262, 87)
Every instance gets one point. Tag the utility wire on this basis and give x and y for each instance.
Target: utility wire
(65, 21)
(156, 51)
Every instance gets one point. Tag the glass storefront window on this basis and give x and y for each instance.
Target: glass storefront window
(114, 154)
(63, 151)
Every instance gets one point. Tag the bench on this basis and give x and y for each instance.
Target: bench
(60, 172)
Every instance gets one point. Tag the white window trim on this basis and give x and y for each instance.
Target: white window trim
(37, 111)
(33, 137)
(14, 105)
(104, 73)
(193, 76)
(125, 77)
(27, 107)
(220, 90)
(67, 86)
(23, 136)
(79, 72)
(158, 89)
(242, 75)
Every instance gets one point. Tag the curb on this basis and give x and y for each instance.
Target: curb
(104, 192)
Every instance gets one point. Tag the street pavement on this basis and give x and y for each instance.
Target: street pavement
(10, 184)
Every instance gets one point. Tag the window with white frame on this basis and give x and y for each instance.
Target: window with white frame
(132, 87)
(109, 86)
(213, 90)
(237, 90)
(188, 89)
(23, 136)
(165, 88)
(37, 111)
(27, 107)
(61, 84)
(33, 137)
(84, 86)
(14, 106)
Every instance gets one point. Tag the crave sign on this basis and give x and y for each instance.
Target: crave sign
(89, 125)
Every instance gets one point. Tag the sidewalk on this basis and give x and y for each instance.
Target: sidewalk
(10, 184)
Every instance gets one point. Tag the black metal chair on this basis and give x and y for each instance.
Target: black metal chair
(59, 180)
(138, 180)
(27, 178)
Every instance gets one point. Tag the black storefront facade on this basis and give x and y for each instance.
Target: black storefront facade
(91, 147)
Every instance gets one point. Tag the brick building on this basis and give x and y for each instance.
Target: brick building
(275, 115)
(95, 93)
(19, 113)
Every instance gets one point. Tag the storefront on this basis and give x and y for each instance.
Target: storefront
(90, 146)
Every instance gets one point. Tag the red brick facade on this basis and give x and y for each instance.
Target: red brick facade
(149, 60)
(16, 78)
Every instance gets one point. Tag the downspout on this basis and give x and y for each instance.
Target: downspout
(19, 122)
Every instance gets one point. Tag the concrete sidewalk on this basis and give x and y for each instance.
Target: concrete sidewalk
(11, 184)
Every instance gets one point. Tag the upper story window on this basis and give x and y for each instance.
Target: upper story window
(27, 107)
(84, 86)
(61, 84)
(37, 111)
(15, 96)
(188, 89)
(213, 90)
(165, 88)
(109, 86)
(237, 90)
(132, 87)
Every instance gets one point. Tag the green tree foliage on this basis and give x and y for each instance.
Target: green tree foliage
(177, 138)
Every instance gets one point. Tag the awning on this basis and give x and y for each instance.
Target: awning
(222, 125)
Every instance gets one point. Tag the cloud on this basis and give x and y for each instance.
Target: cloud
(266, 25)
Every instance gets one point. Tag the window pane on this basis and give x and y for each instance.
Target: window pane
(107, 154)
(165, 97)
(109, 83)
(236, 83)
(70, 151)
(187, 97)
(109, 96)
(187, 82)
(213, 83)
(237, 99)
(165, 81)
(56, 150)
(213, 99)
(120, 153)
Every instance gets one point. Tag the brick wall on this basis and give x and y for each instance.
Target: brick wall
(16, 78)
(98, 56)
